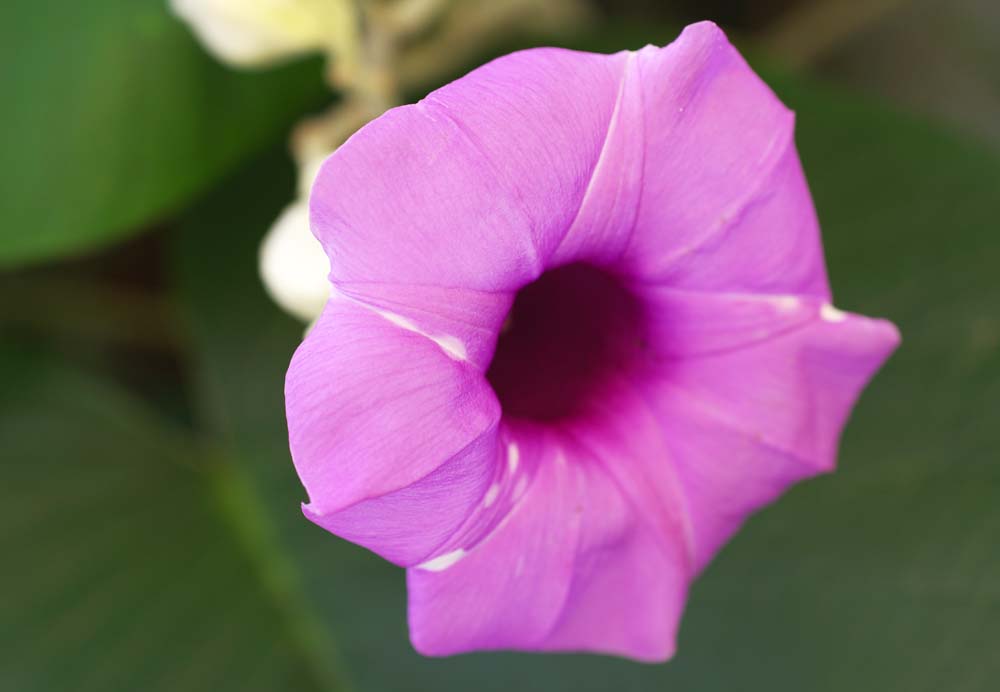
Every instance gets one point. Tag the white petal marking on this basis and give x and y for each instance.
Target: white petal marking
(829, 313)
(522, 485)
(449, 344)
(785, 303)
(442, 562)
(491, 495)
(513, 457)
(452, 346)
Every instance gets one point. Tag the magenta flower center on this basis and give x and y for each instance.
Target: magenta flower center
(568, 335)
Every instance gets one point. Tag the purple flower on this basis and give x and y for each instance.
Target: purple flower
(580, 329)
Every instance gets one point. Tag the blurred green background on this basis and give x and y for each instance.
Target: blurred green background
(150, 531)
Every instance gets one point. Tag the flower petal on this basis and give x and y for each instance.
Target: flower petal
(393, 437)
(561, 569)
(475, 185)
(602, 227)
(746, 421)
(466, 320)
(683, 324)
(724, 204)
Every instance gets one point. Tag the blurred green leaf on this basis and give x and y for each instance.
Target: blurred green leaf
(114, 116)
(123, 565)
(879, 577)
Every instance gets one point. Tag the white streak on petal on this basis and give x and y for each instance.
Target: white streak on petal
(399, 320)
(449, 344)
(513, 457)
(785, 303)
(521, 486)
(452, 346)
(442, 562)
(831, 314)
(491, 495)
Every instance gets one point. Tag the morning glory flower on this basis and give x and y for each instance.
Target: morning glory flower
(580, 329)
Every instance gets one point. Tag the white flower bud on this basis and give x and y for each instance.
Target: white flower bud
(293, 266)
(257, 32)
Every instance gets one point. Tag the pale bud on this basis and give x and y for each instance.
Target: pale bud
(258, 32)
(293, 266)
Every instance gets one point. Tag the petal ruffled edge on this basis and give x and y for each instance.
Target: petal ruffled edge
(385, 426)
(561, 571)
(747, 421)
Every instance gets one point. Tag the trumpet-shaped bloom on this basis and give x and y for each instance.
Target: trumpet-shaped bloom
(580, 329)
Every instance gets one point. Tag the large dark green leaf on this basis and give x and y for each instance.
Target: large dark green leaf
(131, 560)
(112, 115)
(879, 577)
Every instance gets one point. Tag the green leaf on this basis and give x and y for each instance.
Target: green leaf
(113, 116)
(123, 566)
(881, 576)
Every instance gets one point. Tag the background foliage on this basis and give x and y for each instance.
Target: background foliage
(120, 118)
(149, 520)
